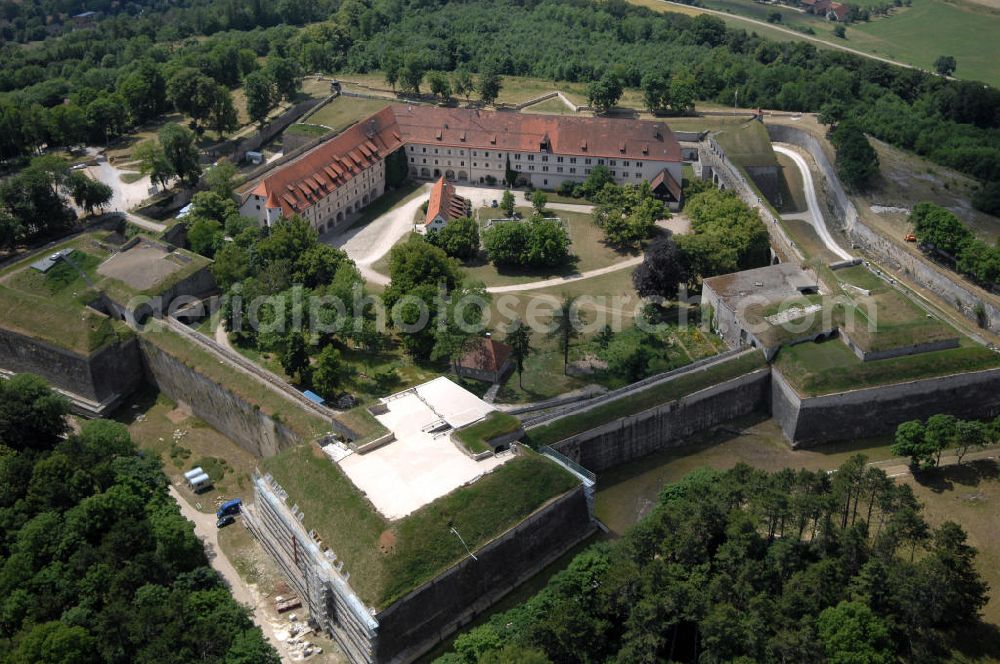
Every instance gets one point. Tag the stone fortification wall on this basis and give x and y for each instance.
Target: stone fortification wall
(240, 421)
(418, 621)
(811, 421)
(415, 623)
(315, 576)
(949, 286)
(726, 175)
(106, 375)
(667, 425)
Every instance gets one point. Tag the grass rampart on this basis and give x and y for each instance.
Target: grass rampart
(387, 559)
(637, 402)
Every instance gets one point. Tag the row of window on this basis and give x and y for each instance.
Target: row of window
(530, 157)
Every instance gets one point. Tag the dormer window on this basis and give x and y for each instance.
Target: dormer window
(438, 135)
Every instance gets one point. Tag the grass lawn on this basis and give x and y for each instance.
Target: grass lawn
(969, 495)
(52, 306)
(183, 441)
(829, 367)
(554, 106)
(342, 112)
(588, 252)
(476, 435)
(747, 144)
(637, 402)
(307, 129)
(387, 559)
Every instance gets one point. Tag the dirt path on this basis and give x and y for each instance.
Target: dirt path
(205, 530)
(814, 213)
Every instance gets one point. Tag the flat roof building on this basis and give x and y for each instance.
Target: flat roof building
(421, 463)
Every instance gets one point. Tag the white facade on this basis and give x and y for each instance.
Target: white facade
(542, 170)
(331, 210)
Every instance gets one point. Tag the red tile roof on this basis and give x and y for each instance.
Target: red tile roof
(309, 178)
(666, 179)
(520, 132)
(312, 176)
(486, 355)
(446, 202)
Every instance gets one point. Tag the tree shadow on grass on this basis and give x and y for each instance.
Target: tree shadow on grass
(977, 642)
(969, 474)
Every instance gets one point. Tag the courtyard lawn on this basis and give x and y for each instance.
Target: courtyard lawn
(588, 251)
(637, 402)
(341, 112)
(387, 559)
(828, 367)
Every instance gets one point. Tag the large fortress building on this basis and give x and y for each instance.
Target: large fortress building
(466, 146)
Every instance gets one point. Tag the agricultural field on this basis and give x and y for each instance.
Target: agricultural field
(916, 35)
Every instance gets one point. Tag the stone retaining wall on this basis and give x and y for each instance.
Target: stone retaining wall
(421, 619)
(668, 424)
(238, 420)
(949, 286)
(108, 374)
(875, 411)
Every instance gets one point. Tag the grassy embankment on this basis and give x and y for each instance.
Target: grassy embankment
(475, 436)
(387, 559)
(648, 398)
(52, 306)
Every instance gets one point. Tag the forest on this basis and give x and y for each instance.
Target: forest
(749, 566)
(119, 73)
(96, 562)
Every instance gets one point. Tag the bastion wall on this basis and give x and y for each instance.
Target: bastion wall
(107, 374)
(875, 411)
(239, 420)
(667, 425)
(949, 286)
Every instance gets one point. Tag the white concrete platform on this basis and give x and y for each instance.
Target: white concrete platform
(420, 466)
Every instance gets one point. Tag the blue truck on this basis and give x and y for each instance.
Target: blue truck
(229, 507)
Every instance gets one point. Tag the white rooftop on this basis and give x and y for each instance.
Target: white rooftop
(419, 467)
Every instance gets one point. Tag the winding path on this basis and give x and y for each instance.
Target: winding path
(814, 211)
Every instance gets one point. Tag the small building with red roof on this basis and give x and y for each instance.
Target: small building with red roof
(488, 360)
(444, 205)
